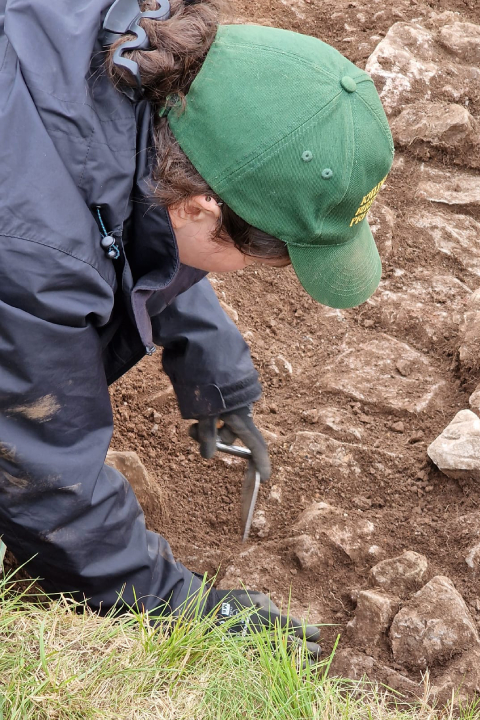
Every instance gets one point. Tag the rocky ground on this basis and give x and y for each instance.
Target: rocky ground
(358, 523)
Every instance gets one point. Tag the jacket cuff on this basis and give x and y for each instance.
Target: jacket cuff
(197, 401)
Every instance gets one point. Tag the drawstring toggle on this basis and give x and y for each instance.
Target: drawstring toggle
(108, 243)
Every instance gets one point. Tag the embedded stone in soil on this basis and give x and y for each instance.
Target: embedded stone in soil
(460, 679)
(382, 219)
(322, 525)
(434, 626)
(453, 235)
(444, 188)
(386, 373)
(431, 308)
(333, 420)
(354, 665)
(373, 615)
(474, 400)
(463, 40)
(445, 125)
(128, 463)
(469, 338)
(400, 575)
(401, 63)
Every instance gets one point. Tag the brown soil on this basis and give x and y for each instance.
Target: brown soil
(410, 501)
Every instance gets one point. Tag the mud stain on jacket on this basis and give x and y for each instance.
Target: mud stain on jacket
(17, 481)
(41, 410)
(8, 452)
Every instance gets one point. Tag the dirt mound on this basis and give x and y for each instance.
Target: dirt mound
(353, 398)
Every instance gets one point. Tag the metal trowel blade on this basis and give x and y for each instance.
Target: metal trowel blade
(250, 488)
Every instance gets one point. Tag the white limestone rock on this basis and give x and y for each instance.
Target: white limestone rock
(474, 400)
(281, 366)
(447, 188)
(410, 62)
(400, 62)
(333, 454)
(463, 40)
(441, 124)
(231, 312)
(260, 524)
(334, 421)
(453, 234)
(456, 451)
(473, 558)
(333, 458)
(382, 224)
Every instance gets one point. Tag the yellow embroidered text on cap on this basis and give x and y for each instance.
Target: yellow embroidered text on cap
(366, 203)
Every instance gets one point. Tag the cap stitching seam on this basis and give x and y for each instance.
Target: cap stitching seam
(278, 51)
(308, 245)
(379, 120)
(240, 171)
(352, 119)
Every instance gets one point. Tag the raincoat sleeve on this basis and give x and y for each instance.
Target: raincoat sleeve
(205, 356)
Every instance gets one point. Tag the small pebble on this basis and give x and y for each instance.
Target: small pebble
(311, 416)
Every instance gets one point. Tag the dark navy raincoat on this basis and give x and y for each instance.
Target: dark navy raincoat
(72, 320)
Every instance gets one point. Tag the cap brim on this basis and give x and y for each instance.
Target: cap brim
(340, 276)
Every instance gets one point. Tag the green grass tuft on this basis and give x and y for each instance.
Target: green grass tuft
(59, 661)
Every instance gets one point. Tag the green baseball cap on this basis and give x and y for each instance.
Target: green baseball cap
(293, 137)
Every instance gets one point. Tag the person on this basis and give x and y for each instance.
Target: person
(141, 148)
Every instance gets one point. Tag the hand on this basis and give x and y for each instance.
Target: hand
(233, 602)
(236, 424)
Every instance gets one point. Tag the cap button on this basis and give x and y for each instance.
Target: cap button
(348, 84)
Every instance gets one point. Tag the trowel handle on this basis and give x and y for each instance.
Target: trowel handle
(234, 450)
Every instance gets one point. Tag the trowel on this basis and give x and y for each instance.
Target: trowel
(251, 484)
